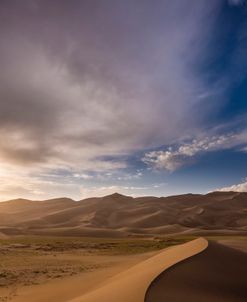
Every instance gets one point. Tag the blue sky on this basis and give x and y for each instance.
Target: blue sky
(130, 96)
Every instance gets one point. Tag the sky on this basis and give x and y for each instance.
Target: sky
(137, 97)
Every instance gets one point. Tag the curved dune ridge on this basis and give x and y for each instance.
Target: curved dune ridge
(132, 284)
(218, 274)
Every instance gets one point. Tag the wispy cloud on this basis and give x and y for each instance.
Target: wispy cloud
(241, 187)
(83, 176)
(174, 158)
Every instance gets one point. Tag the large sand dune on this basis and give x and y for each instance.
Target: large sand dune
(132, 284)
(117, 215)
(218, 274)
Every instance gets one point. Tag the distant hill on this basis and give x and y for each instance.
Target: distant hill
(119, 216)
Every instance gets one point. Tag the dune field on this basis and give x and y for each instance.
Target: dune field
(119, 248)
(116, 216)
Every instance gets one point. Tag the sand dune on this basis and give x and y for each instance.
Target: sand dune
(218, 274)
(118, 215)
(132, 284)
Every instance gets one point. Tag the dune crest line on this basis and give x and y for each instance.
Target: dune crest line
(132, 284)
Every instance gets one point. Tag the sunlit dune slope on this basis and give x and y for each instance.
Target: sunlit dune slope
(132, 284)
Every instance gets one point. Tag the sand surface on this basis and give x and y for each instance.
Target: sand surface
(61, 268)
(218, 274)
(116, 216)
(61, 290)
(132, 284)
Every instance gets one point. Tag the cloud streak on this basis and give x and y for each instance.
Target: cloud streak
(173, 159)
(241, 187)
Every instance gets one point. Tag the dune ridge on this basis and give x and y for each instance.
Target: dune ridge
(132, 284)
(218, 274)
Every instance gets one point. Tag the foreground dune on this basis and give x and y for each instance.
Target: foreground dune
(132, 284)
(218, 274)
(69, 287)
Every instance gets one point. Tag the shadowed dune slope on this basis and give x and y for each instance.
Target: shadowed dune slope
(218, 274)
(123, 215)
(131, 285)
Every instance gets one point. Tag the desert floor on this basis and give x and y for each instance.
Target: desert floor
(58, 269)
(39, 269)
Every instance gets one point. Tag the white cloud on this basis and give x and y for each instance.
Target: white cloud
(130, 176)
(167, 160)
(172, 160)
(83, 176)
(242, 187)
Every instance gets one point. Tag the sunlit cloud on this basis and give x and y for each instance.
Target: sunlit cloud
(241, 187)
(174, 158)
